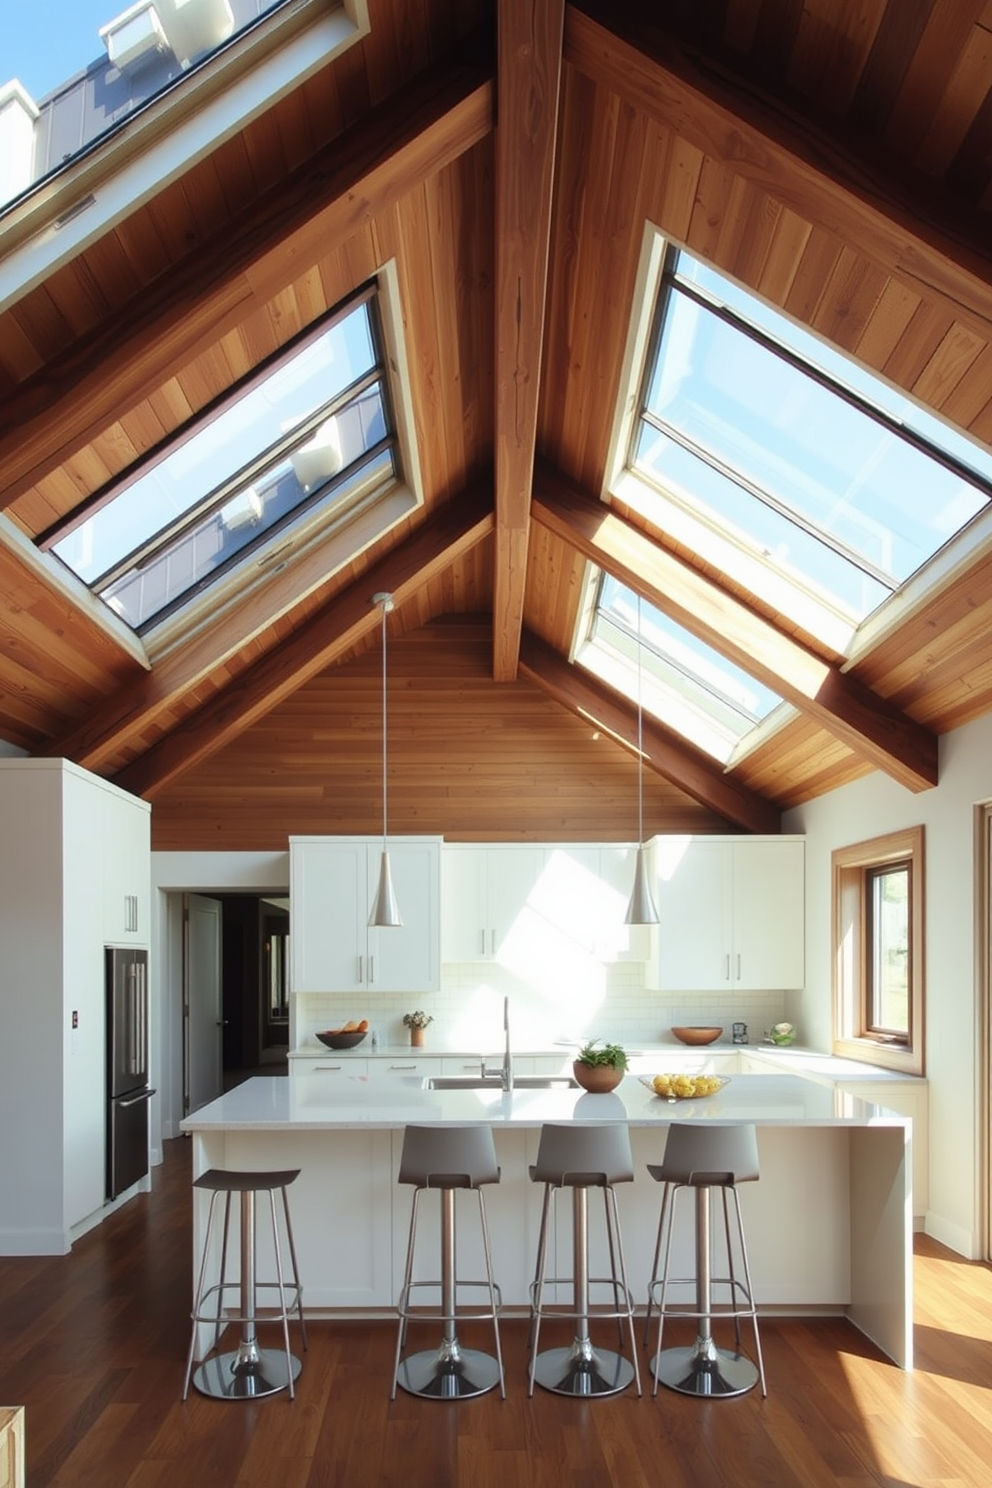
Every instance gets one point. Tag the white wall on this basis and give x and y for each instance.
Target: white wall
(175, 873)
(869, 808)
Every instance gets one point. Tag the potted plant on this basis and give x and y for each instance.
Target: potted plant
(599, 1069)
(417, 1022)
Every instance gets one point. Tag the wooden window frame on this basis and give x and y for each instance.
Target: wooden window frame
(850, 872)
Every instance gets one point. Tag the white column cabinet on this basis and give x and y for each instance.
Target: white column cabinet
(332, 884)
(732, 914)
(65, 833)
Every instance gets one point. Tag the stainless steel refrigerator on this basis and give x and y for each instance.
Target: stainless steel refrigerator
(128, 1091)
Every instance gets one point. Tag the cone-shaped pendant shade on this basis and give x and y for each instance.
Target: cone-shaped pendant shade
(642, 909)
(384, 907)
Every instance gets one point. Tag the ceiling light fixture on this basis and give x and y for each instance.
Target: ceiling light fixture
(642, 909)
(384, 909)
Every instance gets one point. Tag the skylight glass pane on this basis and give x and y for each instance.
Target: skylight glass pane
(67, 82)
(781, 543)
(870, 388)
(684, 683)
(878, 497)
(199, 553)
(233, 442)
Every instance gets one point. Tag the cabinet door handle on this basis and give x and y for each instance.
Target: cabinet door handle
(492, 942)
(371, 970)
(482, 940)
(738, 965)
(361, 970)
(726, 961)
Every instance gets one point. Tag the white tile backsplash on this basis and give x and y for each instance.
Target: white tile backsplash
(468, 1010)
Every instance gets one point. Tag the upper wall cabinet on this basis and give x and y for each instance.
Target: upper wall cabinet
(332, 884)
(518, 904)
(732, 914)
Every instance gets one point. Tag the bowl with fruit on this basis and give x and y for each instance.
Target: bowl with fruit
(348, 1036)
(683, 1086)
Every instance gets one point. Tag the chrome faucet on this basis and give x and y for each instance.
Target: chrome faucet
(506, 1073)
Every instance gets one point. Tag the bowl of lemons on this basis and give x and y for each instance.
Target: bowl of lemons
(684, 1087)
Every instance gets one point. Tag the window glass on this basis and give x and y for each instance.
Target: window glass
(793, 452)
(70, 80)
(306, 439)
(684, 683)
(887, 1010)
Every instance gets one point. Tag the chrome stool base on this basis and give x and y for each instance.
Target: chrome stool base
(245, 1375)
(448, 1373)
(582, 1370)
(704, 1370)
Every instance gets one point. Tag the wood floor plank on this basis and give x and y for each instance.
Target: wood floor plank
(93, 1345)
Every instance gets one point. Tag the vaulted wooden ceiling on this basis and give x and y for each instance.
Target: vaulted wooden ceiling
(835, 156)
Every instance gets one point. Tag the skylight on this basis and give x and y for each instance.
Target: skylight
(65, 89)
(305, 440)
(841, 487)
(684, 683)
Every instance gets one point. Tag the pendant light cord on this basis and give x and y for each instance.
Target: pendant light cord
(640, 737)
(384, 818)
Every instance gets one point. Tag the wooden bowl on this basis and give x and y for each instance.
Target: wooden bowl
(332, 1040)
(697, 1036)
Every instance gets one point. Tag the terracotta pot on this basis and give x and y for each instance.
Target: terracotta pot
(417, 1037)
(597, 1077)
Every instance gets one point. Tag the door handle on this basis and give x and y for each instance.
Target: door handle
(135, 1100)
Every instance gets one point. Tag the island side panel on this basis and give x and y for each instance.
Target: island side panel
(881, 1238)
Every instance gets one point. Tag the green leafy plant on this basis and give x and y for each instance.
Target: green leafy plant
(610, 1054)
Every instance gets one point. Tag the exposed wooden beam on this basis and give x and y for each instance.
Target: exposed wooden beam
(529, 76)
(664, 752)
(407, 140)
(920, 234)
(129, 714)
(456, 529)
(866, 723)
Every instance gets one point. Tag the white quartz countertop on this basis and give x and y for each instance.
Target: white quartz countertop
(361, 1102)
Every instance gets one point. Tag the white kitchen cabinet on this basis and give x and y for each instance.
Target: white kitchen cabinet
(732, 914)
(61, 828)
(517, 904)
(486, 889)
(124, 834)
(332, 885)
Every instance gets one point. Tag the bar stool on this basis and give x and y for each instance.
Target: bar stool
(447, 1159)
(703, 1158)
(579, 1158)
(248, 1372)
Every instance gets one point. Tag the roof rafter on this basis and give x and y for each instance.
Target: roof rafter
(664, 752)
(407, 140)
(529, 43)
(866, 723)
(456, 529)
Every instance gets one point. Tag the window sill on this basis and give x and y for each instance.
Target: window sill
(885, 1056)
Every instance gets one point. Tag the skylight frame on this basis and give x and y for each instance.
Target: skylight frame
(674, 688)
(319, 509)
(768, 570)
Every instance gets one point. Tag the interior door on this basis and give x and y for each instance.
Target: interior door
(202, 1003)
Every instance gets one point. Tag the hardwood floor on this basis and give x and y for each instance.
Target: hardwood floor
(93, 1344)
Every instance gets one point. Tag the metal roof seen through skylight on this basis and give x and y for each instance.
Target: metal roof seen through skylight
(301, 441)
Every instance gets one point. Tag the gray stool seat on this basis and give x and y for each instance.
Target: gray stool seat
(703, 1158)
(248, 1372)
(578, 1158)
(448, 1158)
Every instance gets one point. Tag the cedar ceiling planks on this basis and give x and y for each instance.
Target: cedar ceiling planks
(889, 96)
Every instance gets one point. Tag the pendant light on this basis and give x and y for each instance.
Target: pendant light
(384, 909)
(641, 910)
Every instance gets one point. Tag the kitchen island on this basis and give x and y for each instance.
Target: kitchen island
(829, 1224)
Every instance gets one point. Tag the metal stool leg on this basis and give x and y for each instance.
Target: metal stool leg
(580, 1369)
(702, 1369)
(449, 1372)
(248, 1372)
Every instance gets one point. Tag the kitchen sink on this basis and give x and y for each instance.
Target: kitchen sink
(520, 1082)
